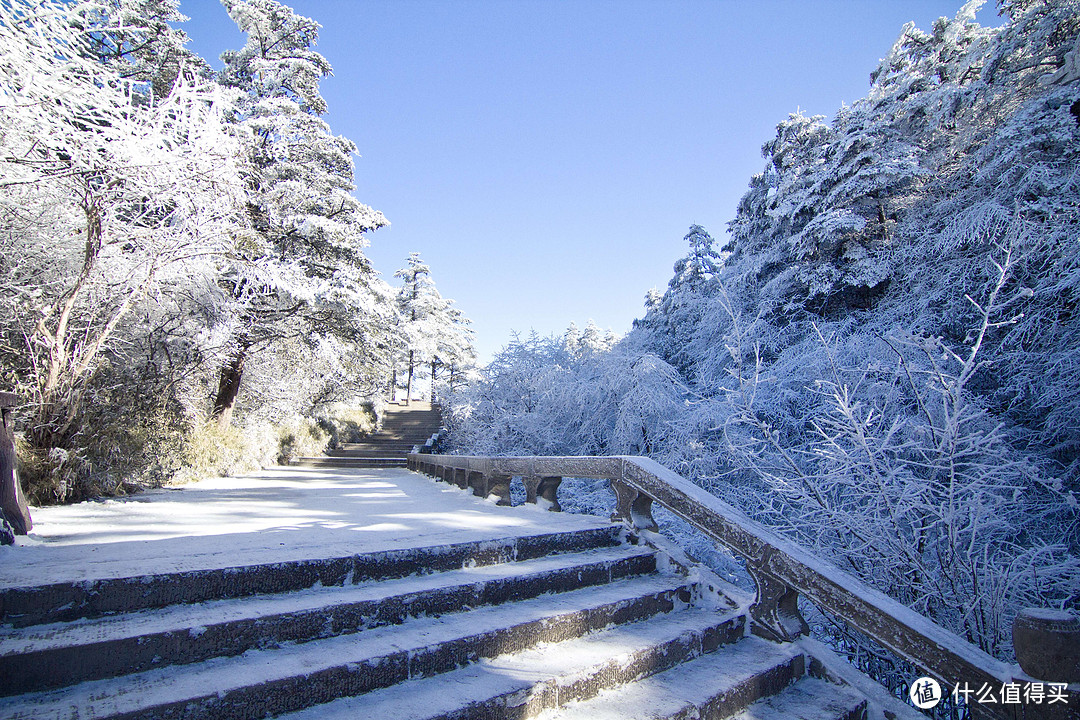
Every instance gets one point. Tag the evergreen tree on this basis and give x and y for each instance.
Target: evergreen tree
(687, 294)
(431, 331)
(137, 39)
(303, 269)
(883, 360)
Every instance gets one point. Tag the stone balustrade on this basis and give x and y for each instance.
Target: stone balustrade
(781, 569)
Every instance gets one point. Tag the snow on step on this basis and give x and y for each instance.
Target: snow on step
(545, 675)
(809, 699)
(37, 656)
(262, 682)
(715, 685)
(68, 601)
(288, 515)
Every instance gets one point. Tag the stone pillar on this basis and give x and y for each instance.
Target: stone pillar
(775, 610)
(12, 501)
(475, 481)
(486, 484)
(1047, 644)
(499, 486)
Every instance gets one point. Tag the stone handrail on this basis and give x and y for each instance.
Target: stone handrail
(781, 569)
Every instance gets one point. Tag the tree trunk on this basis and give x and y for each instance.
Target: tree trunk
(412, 366)
(229, 387)
(433, 368)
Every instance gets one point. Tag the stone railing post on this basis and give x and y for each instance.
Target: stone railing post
(544, 488)
(499, 486)
(1047, 644)
(484, 481)
(633, 507)
(775, 608)
(783, 571)
(13, 506)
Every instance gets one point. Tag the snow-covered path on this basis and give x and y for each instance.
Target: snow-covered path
(276, 515)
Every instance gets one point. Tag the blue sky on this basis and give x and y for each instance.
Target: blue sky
(547, 157)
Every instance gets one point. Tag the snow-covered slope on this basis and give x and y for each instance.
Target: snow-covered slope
(883, 358)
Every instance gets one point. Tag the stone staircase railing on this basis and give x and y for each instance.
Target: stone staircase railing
(781, 569)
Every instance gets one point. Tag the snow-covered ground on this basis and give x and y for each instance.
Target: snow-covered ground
(275, 515)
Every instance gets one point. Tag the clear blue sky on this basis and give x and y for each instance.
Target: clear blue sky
(547, 157)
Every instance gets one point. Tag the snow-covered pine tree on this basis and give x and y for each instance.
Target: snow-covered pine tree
(138, 40)
(430, 331)
(303, 273)
(885, 364)
(895, 279)
(680, 308)
(455, 351)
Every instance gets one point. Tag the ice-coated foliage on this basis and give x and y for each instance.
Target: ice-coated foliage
(884, 359)
(108, 195)
(300, 278)
(174, 244)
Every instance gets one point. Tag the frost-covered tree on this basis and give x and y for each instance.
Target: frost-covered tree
(431, 332)
(108, 194)
(455, 351)
(590, 341)
(672, 316)
(302, 272)
(551, 396)
(138, 40)
(882, 360)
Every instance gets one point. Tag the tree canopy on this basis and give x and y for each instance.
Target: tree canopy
(179, 245)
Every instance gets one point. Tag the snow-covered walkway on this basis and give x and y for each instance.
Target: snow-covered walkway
(276, 515)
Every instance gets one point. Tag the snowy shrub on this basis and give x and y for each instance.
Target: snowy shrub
(347, 423)
(300, 437)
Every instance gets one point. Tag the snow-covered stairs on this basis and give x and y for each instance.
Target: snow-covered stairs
(579, 624)
(403, 428)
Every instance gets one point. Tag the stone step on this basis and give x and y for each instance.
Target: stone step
(424, 417)
(809, 699)
(420, 426)
(381, 445)
(357, 448)
(60, 602)
(713, 686)
(528, 682)
(45, 656)
(420, 436)
(352, 462)
(268, 682)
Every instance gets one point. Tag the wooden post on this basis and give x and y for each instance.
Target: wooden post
(12, 500)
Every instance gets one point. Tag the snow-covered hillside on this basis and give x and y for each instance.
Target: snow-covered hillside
(883, 357)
